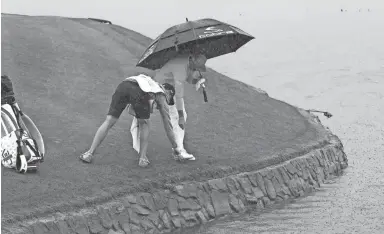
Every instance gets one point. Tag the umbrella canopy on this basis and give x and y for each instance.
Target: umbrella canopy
(207, 36)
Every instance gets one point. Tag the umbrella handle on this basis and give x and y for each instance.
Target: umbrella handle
(205, 95)
(203, 86)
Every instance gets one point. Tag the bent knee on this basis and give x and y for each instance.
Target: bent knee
(110, 121)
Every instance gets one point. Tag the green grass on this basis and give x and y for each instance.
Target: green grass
(64, 73)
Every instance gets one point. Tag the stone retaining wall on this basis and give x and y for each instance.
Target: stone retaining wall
(192, 204)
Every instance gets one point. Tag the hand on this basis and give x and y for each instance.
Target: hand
(200, 84)
(182, 123)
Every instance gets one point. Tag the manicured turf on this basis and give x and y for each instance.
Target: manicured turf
(64, 73)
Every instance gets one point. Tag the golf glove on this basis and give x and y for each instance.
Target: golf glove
(200, 84)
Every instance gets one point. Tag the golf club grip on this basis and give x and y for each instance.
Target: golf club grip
(205, 95)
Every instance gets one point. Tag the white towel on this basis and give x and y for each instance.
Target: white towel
(135, 132)
(147, 84)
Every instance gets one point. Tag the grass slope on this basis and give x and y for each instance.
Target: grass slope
(64, 72)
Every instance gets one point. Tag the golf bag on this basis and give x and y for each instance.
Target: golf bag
(22, 145)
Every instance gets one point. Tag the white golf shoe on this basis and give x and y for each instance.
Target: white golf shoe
(182, 155)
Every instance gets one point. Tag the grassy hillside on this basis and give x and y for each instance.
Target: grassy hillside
(64, 73)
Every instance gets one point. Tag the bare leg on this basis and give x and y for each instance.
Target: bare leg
(102, 132)
(144, 126)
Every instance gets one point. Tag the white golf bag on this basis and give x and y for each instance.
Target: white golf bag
(22, 146)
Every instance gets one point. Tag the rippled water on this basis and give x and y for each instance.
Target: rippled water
(334, 63)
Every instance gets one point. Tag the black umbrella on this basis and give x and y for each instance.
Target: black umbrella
(206, 36)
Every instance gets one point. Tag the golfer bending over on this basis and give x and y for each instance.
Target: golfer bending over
(141, 93)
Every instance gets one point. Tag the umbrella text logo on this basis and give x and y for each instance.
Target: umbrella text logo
(213, 31)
